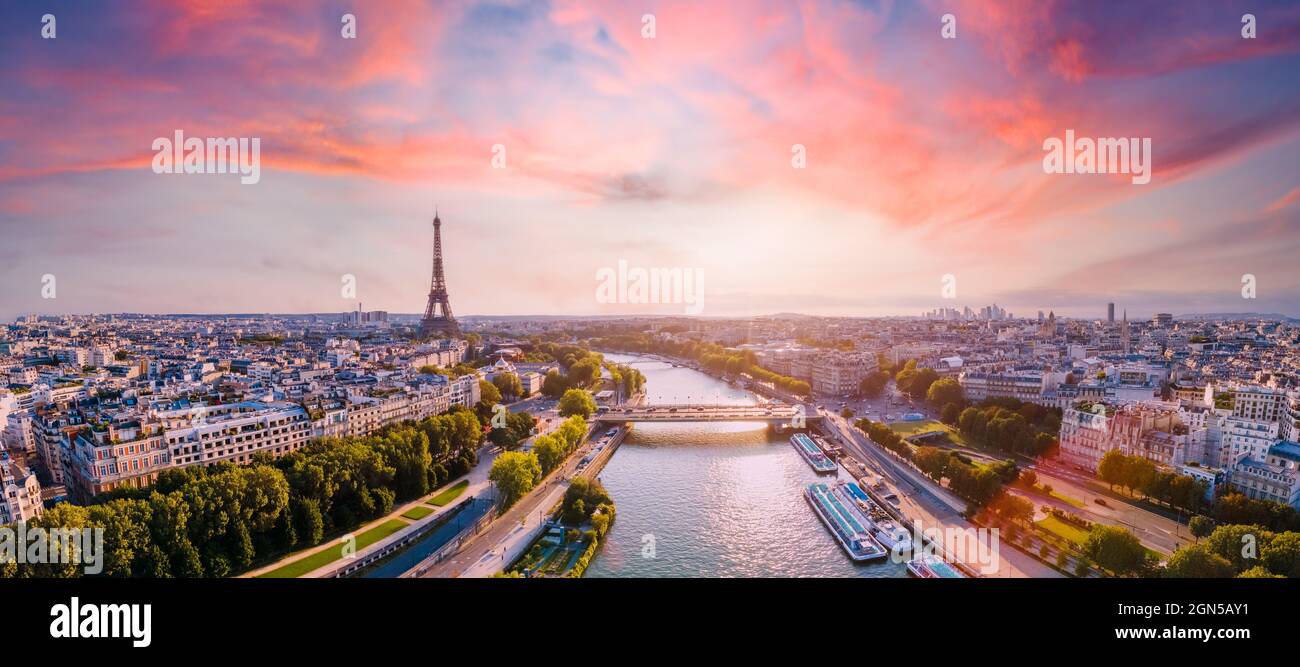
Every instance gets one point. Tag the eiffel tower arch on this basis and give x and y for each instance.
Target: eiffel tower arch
(438, 319)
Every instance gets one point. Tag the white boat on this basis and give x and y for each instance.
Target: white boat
(845, 525)
(883, 527)
(893, 536)
(933, 567)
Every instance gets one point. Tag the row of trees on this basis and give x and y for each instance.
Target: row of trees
(1135, 473)
(885, 437)
(552, 448)
(710, 355)
(1243, 551)
(214, 521)
(516, 473)
(979, 484)
(1248, 551)
(1236, 508)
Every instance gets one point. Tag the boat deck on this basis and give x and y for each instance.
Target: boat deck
(844, 523)
(813, 454)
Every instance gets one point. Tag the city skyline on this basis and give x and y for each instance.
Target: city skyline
(673, 151)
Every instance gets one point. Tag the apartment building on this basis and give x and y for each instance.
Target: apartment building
(1029, 387)
(100, 457)
(1259, 403)
(1245, 438)
(839, 374)
(1151, 431)
(20, 493)
(1274, 476)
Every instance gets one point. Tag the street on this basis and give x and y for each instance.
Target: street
(922, 500)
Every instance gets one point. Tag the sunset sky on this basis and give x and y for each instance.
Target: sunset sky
(924, 155)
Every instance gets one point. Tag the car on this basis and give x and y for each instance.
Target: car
(1101, 502)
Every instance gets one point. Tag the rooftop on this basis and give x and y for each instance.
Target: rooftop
(1287, 450)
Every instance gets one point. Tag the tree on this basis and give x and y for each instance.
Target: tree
(1282, 554)
(577, 402)
(1258, 572)
(1012, 509)
(1138, 473)
(1201, 526)
(873, 384)
(944, 391)
(1115, 549)
(1111, 468)
(550, 452)
(950, 414)
(509, 385)
(1028, 478)
(932, 461)
(554, 384)
(576, 513)
(1198, 562)
(585, 371)
(920, 382)
(1241, 545)
(515, 474)
(488, 392)
(847, 413)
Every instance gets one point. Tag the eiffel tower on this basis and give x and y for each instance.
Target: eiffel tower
(433, 322)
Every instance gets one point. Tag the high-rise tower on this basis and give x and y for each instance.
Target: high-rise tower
(437, 315)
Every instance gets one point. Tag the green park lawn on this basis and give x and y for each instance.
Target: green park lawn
(450, 494)
(1065, 530)
(911, 428)
(418, 512)
(326, 556)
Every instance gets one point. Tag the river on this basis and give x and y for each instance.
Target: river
(713, 499)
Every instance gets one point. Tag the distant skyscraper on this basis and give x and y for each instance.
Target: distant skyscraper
(1110, 313)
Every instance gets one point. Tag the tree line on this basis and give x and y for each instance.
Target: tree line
(1135, 473)
(711, 356)
(223, 519)
(980, 484)
(516, 473)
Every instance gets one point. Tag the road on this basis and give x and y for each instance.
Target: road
(491, 550)
(922, 500)
(1158, 532)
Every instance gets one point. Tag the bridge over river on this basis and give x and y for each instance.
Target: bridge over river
(689, 412)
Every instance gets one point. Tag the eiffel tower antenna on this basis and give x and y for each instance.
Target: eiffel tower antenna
(437, 314)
